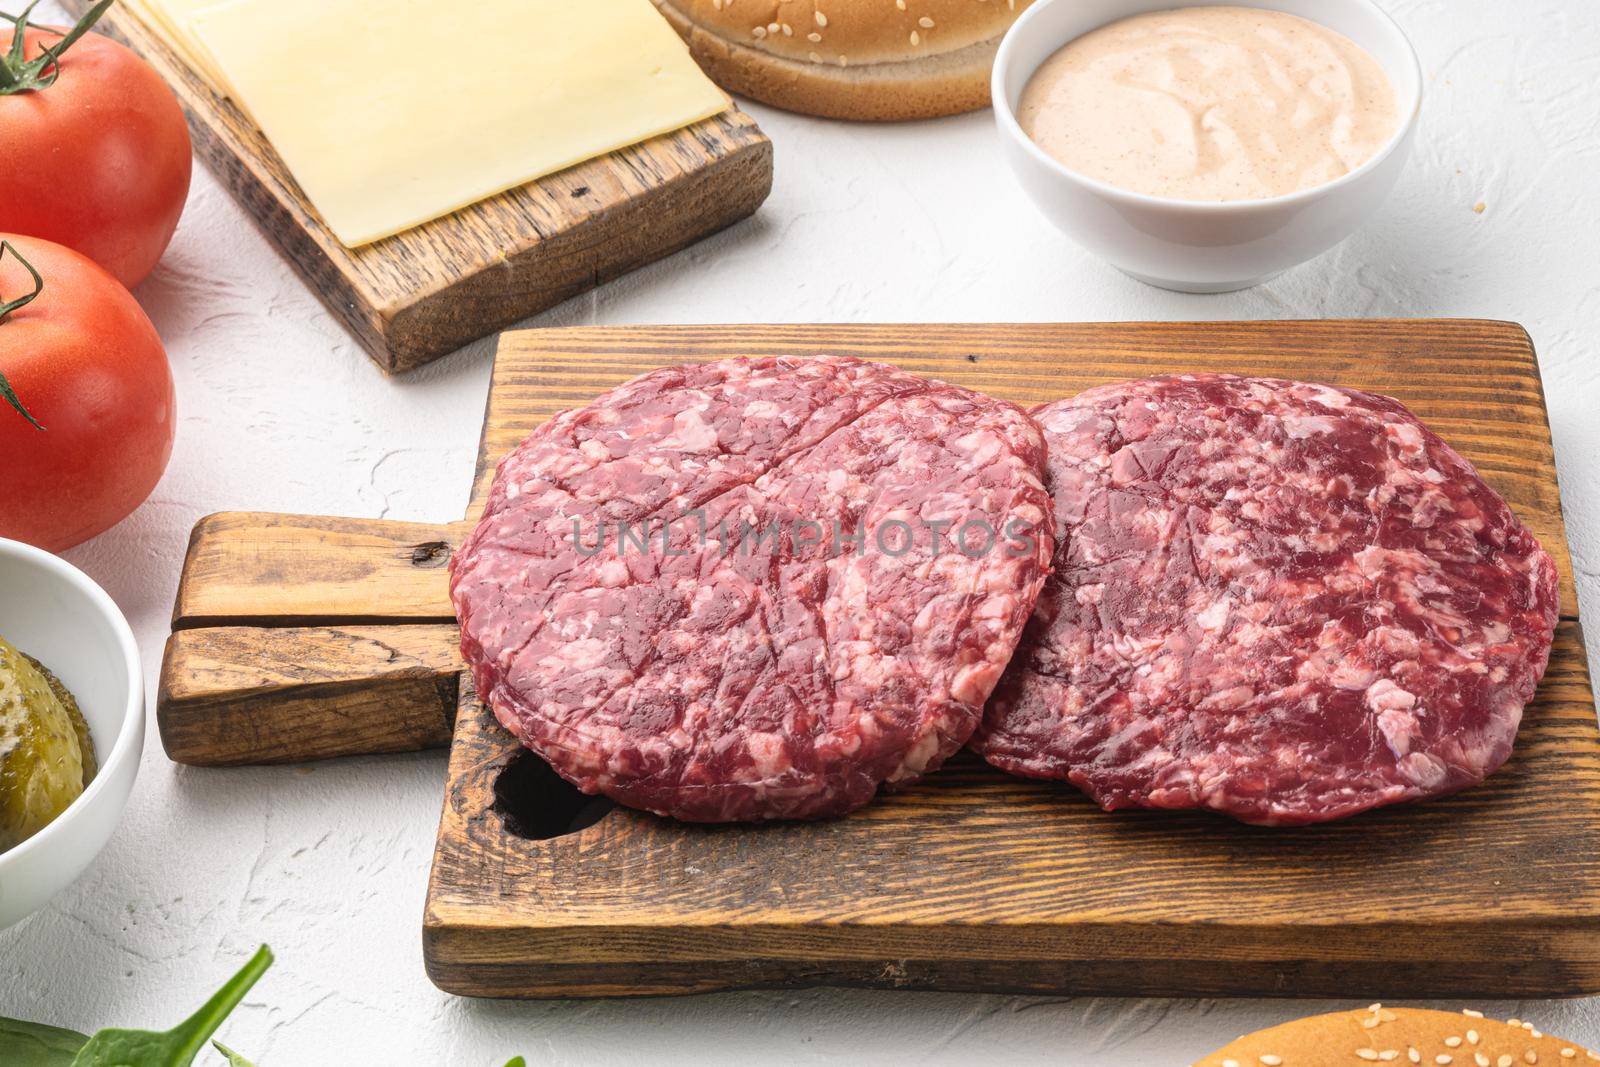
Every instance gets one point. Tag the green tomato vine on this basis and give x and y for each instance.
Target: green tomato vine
(7, 307)
(18, 73)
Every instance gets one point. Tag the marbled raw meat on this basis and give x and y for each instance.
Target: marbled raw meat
(1282, 601)
(712, 679)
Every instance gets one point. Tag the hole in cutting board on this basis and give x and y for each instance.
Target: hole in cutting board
(536, 803)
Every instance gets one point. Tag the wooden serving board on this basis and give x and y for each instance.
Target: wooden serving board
(297, 638)
(424, 293)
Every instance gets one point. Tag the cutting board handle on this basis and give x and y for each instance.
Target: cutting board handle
(302, 637)
(250, 568)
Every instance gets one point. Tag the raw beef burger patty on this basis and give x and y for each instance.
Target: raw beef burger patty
(1282, 601)
(712, 676)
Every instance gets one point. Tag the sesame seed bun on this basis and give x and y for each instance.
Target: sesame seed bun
(870, 60)
(1403, 1037)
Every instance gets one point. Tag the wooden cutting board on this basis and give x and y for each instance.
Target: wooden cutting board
(424, 293)
(297, 638)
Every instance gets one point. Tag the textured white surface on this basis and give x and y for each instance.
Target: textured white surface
(281, 412)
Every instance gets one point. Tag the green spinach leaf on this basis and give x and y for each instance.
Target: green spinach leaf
(234, 1059)
(179, 1046)
(36, 1045)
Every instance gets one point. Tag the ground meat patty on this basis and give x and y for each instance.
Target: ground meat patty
(789, 635)
(1282, 601)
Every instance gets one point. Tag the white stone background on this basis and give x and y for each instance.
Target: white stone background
(280, 411)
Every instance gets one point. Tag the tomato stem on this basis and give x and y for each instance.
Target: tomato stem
(18, 74)
(7, 307)
(8, 394)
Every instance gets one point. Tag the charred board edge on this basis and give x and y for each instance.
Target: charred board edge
(1121, 961)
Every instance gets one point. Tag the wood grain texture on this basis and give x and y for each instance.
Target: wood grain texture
(971, 880)
(245, 568)
(249, 695)
(417, 296)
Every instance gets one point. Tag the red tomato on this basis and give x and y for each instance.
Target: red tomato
(99, 160)
(84, 361)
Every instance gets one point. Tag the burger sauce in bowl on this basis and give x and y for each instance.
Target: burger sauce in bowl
(1211, 104)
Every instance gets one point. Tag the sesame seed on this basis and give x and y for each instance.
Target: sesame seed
(1371, 1022)
(1272, 1061)
(916, 38)
(1367, 1053)
(1388, 1054)
(815, 58)
(759, 31)
(1374, 1008)
(1480, 1059)
(1472, 1037)
(1472, 1013)
(1503, 1061)
(1443, 1058)
(1513, 1022)
(814, 37)
(1531, 1056)
(925, 22)
(1230, 1063)
(1413, 1055)
(901, 4)
(1386, 1016)
(1452, 1042)
(822, 20)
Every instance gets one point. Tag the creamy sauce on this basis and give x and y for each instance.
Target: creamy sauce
(1211, 103)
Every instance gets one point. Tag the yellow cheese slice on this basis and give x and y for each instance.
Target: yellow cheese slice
(170, 20)
(390, 114)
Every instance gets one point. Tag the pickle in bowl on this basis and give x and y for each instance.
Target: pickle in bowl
(46, 755)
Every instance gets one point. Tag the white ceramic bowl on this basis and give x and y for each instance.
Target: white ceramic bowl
(59, 616)
(1200, 246)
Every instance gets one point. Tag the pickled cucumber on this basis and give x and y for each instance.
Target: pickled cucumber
(42, 749)
(80, 726)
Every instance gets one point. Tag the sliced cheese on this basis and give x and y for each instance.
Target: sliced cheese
(170, 20)
(390, 115)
